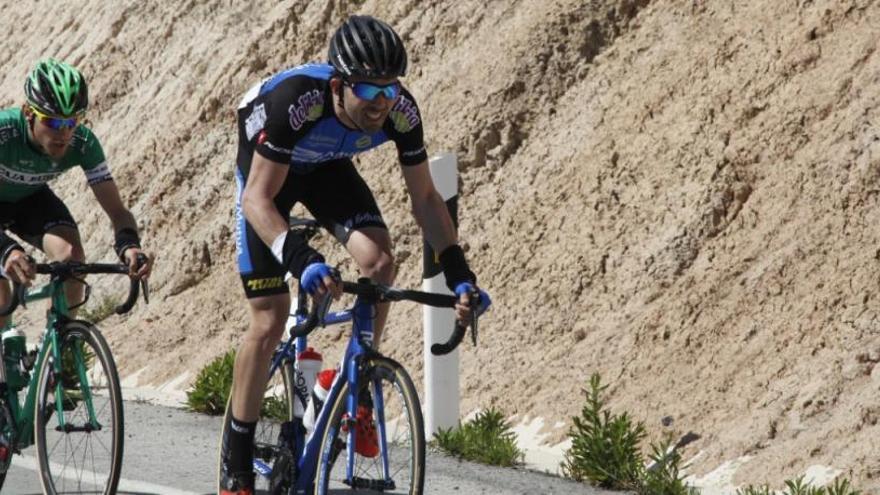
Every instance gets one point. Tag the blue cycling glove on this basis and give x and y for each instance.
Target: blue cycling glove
(485, 301)
(313, 276)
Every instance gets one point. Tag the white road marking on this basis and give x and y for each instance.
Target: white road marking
(125, 485)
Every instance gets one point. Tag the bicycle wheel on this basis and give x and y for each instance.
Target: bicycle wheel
(7, 438)
(396, 410)
(270, 450)
(82, 453)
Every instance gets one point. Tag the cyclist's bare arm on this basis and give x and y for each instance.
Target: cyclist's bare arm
(428, 207)
(433, 217)
(107, 195)
(264, 182)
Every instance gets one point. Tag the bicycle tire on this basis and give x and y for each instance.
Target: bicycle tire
(7, 429)
(277, 408)
(97, 464)
(405, 435)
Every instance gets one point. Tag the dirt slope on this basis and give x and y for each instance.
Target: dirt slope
(681, 195)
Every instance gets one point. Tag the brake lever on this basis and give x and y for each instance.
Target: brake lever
(145, 291)
(473, 302)
(20, 292)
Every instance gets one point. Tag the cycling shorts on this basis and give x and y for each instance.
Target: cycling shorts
(336, 196)
(31, 217)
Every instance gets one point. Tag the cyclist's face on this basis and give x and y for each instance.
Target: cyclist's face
(53, 142)
(370, 115)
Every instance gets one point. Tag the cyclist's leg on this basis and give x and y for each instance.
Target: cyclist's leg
(45, 222)
(371, 249)
(62, 243)
(269, 301)
(340, 199)
(5, 294)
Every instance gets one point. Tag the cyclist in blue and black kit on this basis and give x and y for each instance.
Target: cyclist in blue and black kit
(297, 133)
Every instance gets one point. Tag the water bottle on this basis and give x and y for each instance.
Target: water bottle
(319, 395)
(13, 350)
(308, 363)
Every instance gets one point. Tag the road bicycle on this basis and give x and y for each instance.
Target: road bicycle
(72, 408)
(288, 460)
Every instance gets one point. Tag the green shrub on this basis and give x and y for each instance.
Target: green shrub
(797, 486)
(210, 391)
(605, 450)
(604, 447)
(211, 388)
(486, 439)
(664, 476)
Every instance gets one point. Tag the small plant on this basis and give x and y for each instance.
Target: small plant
(664, 477)
(486, 439)
(605, 451)
(841, 486)
(211, 388)
(605, 447)
(102, 310)
(797, 486)
(753, 490)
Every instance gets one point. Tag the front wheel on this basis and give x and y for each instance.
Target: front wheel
(78, 414)
(392, 405)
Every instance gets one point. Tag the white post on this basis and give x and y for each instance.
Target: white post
(441, 372)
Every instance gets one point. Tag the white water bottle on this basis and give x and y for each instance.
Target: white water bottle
(308, 363)
(319, 395)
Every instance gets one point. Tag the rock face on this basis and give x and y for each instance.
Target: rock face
(680, 195)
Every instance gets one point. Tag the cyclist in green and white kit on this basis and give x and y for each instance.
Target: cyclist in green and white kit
(38, 142)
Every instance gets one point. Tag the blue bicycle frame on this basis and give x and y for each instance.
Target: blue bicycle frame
(359, 345)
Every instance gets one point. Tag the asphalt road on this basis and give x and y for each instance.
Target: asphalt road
(170, 451)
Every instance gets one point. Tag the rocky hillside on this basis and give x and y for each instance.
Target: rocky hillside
(682, 195)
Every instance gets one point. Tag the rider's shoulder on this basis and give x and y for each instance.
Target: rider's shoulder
(305, 77)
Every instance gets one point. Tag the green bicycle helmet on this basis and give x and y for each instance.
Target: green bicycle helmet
(56, 88)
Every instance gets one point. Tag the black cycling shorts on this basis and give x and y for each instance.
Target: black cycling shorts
(31, 217)
(336, 196)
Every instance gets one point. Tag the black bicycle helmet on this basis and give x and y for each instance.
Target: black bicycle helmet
(56, 88)
(367, 47)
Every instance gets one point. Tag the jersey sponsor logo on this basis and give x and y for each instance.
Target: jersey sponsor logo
(98, 174)
(362, 219)
(310, 156)
(9, 174)
(276, 149)
(265, 283)
(364, 142)
(7, 133)
(255, 121)
(308, 107)
(262, 138)
(413, 152)
(404, 115)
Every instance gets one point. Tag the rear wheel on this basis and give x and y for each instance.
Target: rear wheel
(399, 468)
(270, 452)
(83, 452)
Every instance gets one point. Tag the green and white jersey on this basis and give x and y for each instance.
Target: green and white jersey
(23, 170)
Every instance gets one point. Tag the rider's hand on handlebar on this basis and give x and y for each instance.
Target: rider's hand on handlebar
(463, 308)
(318, 278)
(20, 267)
(131, 259)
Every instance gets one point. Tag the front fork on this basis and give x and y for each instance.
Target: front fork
(80, 366)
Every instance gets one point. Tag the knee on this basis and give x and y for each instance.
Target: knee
(379, 267)
(69, 252)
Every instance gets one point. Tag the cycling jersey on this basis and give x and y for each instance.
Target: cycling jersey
(24, 170)
(289, 118)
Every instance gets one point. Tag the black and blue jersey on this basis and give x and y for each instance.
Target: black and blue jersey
(289, 118)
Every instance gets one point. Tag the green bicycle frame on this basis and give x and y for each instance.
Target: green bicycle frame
(24, 415)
